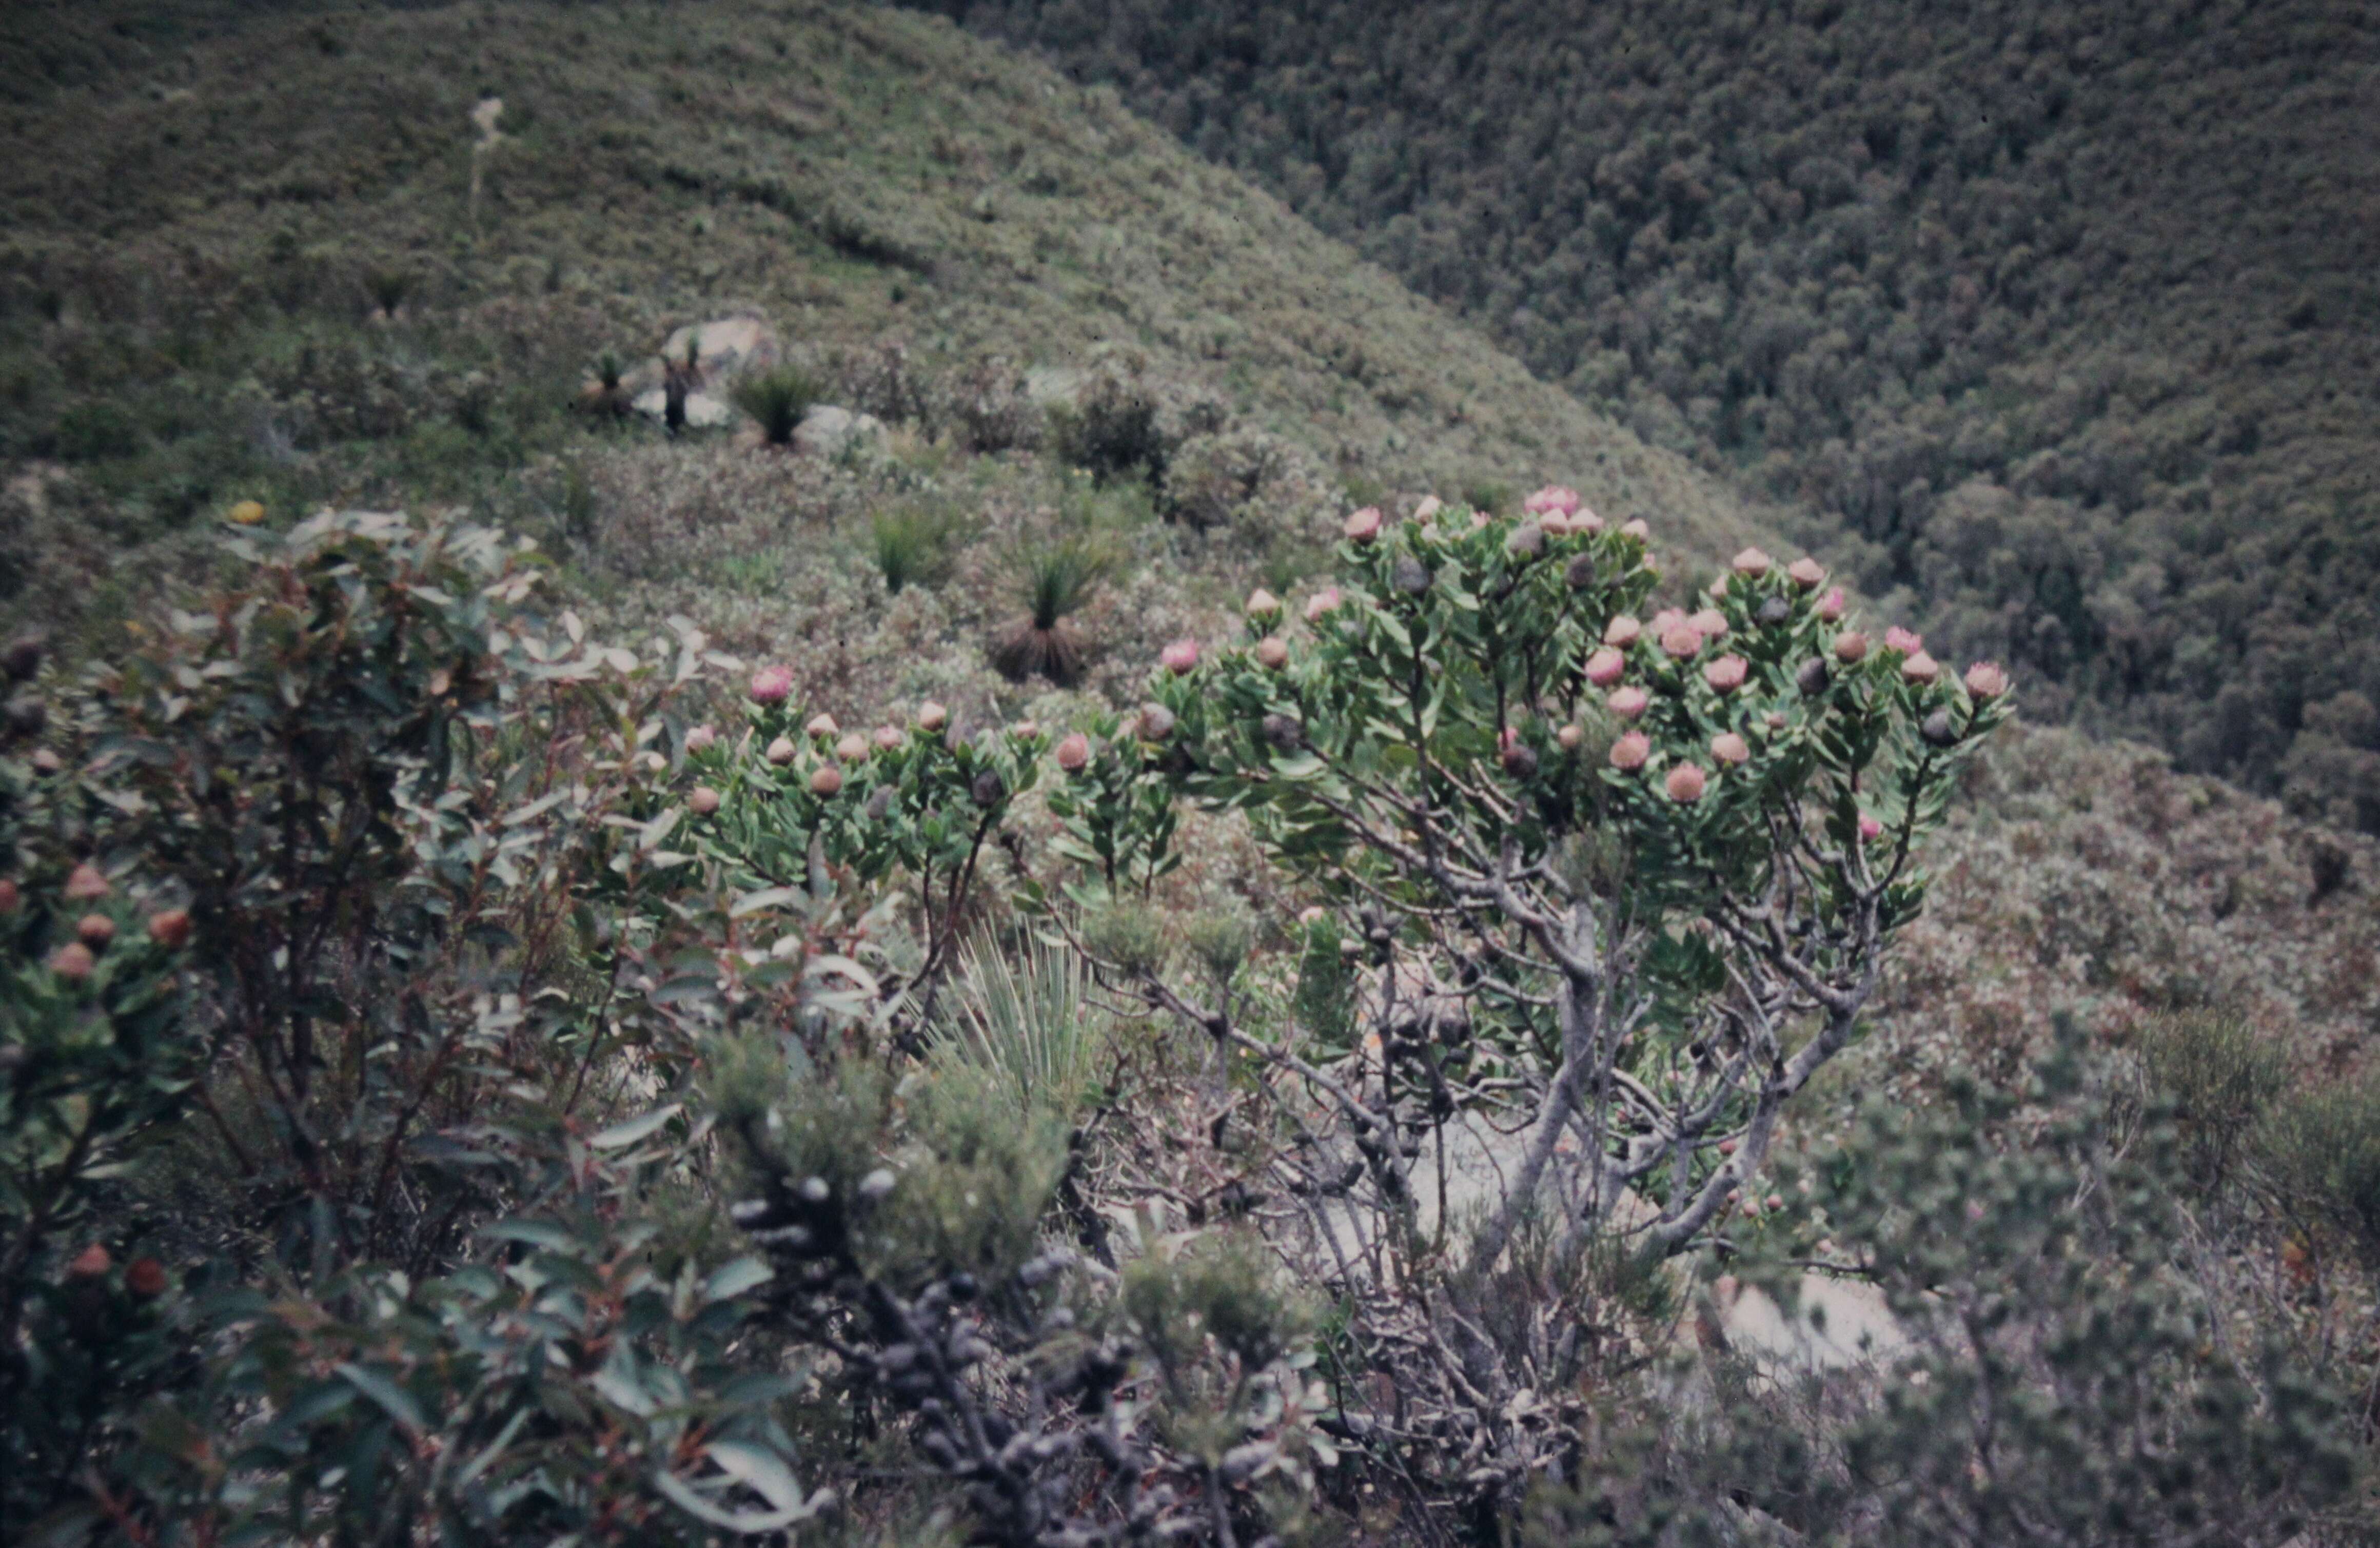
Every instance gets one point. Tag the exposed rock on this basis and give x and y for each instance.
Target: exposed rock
(725, 349)
(827, 430)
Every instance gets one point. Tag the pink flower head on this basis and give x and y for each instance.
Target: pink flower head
(1074, 752)
(1585, 521)
(1181, 657)
(932, 716)
(73, 961)
(1667, 619)
(1685, 783)
(1364, 526)
(1630, 752)
(852, 749)
(1919, 669)
(1898, 639)
(699, 737)
(1729, 748)
(1272, 651)
(703, 800)
(1636, 528)
(1986, 680)
(1622, 631)
(1570, 736)
(1553, 497)
(781, 751)
(1606, 666)
(1869, 828)
(1850, 647)
(826, 780)
(821, 725)
(1627, 702)
(772, 684)
(85, 882)
(1726, 675)
(1681, 641)
(1806, 573)
(1716, 589)
(1711, 623)
(1321, 604)
(889, 737)
(1830, 606)
(1752, 562)
(1262, 604)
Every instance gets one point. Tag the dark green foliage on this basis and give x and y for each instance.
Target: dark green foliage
(1113, 431)
(778, 399)
(1965, 290)
(1058, 577)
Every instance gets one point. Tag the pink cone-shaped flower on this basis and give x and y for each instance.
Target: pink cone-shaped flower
(826, 780)
(95, 931)
(73, 961)
(1685, 783)
(1869, 827)
(1627, 702)
(1898, 639)
(1181, 657)
(1605, 668)
(852, 747)
(821, 725)
(1364, 526)
(10, 897)
(1806, 573)
(1631, 750)
(772, 684)
(1729, 748)
(1986, 680)
(1262, 604)
(85, 882)
(1716, 589)
(1272, 651)
(1585, 521)
(1850, 647)
(1621, 632)
(170, 928)
(889, 737)
(1074, 752)
(1557, 524)
(1636, 528)
(781, 751)
(703, 800)
(1711, 622)
(1920, 669)
(1430, 505)
(1667, 619)
(1752, 564)
(1025, 730)
(1726, 675)
(1682, 642)
(932, 716)
(1553, 497)
(1156, 722)
(1321, 604)
(1569, 736)
(1830, 606)
(699, 737)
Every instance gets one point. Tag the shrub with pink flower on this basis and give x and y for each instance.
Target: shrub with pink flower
(1605, 668)
(771, 685)
(1726, 673)
(1552, 497)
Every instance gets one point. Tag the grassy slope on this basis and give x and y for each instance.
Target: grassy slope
(2077, 875)
(852, 174)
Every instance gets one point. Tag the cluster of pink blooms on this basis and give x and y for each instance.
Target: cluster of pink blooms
(95, 932)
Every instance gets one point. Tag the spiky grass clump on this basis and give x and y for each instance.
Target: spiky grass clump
(1059, 577)
(912, 546)
(1025, 1022)
(778, 399)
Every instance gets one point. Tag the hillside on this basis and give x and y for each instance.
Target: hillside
(2059, 317)
(204, 241)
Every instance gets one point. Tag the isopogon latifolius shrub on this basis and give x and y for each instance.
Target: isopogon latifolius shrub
(1619, 882)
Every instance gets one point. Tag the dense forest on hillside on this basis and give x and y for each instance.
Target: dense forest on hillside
(2060, 319)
